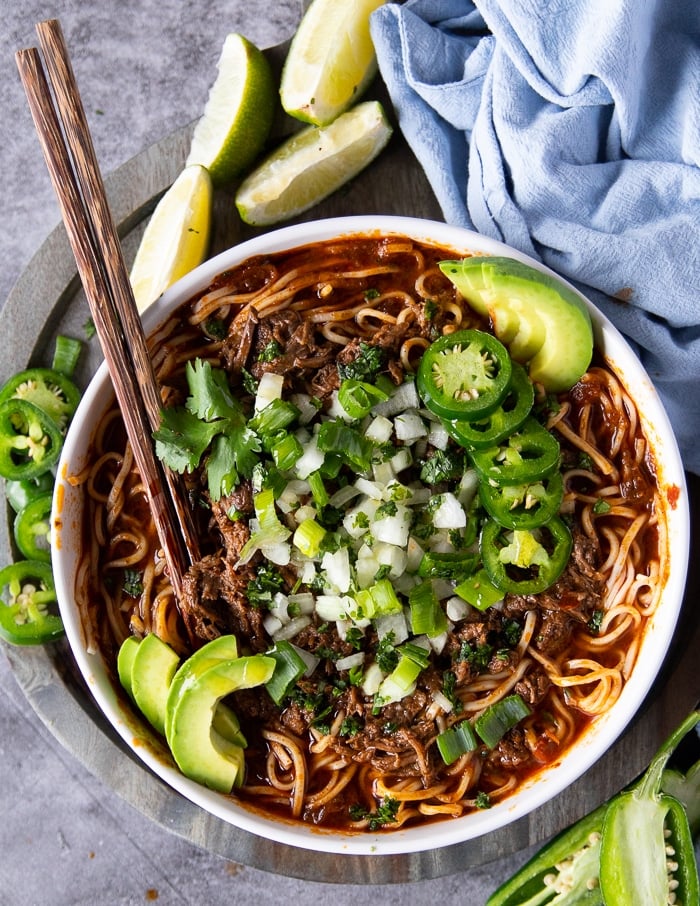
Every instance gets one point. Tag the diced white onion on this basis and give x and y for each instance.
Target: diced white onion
(443, 588)
(272, 624)
(305, 405)
(392, 622)
(337, 567)
(292, 628)
(279, 607)
(336, 409)
(393, 556)
(449, 514)
(414, 554)
(401, 460)
(371, 488)
(393, 529)
(333, 607)
(404, 397)
(352, 660)
(344, 495)
(302, 600)
(372, 679)
(409, 426)
(438, 436)
(457, 609)
(269, 389)
(467, 487)
(379, 429)
(365, 571)
(438, 642)
(310, 460)
(279, 554)
(383, 473)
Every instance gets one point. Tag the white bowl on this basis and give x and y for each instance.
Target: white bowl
(547, 784)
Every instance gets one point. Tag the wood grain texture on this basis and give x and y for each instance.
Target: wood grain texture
(394, 184)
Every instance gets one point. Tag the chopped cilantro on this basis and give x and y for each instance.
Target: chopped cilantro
(366, 365)
(449, 681)
(483, 800)
(350, 726)
(354, 637)
(133, 583)
(384, 814)
(430, 309)
(601, 506)
(267, 582)
(371, 294)
(388, 508)
(477, 656)
(443, 465)
(89, 329)
(270, 352)
(387, 655)
(250, 385)
(596, 621)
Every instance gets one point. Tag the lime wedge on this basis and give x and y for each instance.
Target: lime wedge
(176, 238)
(238, 114)
(312, 164)
(331, 60)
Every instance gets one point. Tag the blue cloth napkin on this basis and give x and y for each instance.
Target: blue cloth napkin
(570, 129)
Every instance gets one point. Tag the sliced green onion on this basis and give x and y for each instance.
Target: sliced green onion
(289, 666)
(427, 616)
(378, 600)
(286, 451)
(358, 397)
(271, 532)
(66, 354)
(435, 565)
(500, 717)
(399, 683)
(417, 654)
(479, 591)
(308, 537)
(318, 489)
(275, 417)
(456, 741)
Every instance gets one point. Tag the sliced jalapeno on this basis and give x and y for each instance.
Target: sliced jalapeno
(27, 591)
(20, 493)
(30, 440)
(503, 421)
(32, 527)
(523, 506)
(464, 375)
(47, 389)
(522, 561)
(529, 454)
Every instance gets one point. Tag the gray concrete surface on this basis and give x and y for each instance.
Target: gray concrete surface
(144, 67)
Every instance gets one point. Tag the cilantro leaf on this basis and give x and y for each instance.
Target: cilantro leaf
(210, 395)
(233, 457)
(182, 439)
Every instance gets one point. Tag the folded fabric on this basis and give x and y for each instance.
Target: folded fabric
(570, 129)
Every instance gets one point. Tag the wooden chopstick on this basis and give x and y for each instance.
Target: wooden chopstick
(70, 157)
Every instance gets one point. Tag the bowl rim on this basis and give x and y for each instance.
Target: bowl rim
(596, 740)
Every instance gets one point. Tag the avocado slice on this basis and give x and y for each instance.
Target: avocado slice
(226, 723)
(545, 325)
(153, 667)
(200, 752)
(222, 648)
(125, 660)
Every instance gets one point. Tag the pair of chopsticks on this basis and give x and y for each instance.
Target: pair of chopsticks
(70, 157)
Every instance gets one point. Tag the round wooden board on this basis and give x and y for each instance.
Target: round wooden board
(48, 300)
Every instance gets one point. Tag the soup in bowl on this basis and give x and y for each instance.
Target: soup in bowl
(440, 561)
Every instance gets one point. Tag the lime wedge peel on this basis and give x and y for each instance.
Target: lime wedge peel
(312, 164)
(238, 114)
(176, 238)
(331, 60)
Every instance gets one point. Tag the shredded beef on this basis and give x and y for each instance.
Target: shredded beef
(533, 686)
(511, 750)
(215, 601)
(554, 633)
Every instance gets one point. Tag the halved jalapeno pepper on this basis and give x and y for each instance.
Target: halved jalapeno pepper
(31, 529)
(525, 562)
(27, 592)
(464, 375)
(30, 440)
(503, 421)
(529, 454)
(47, 389)
(523, 506)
